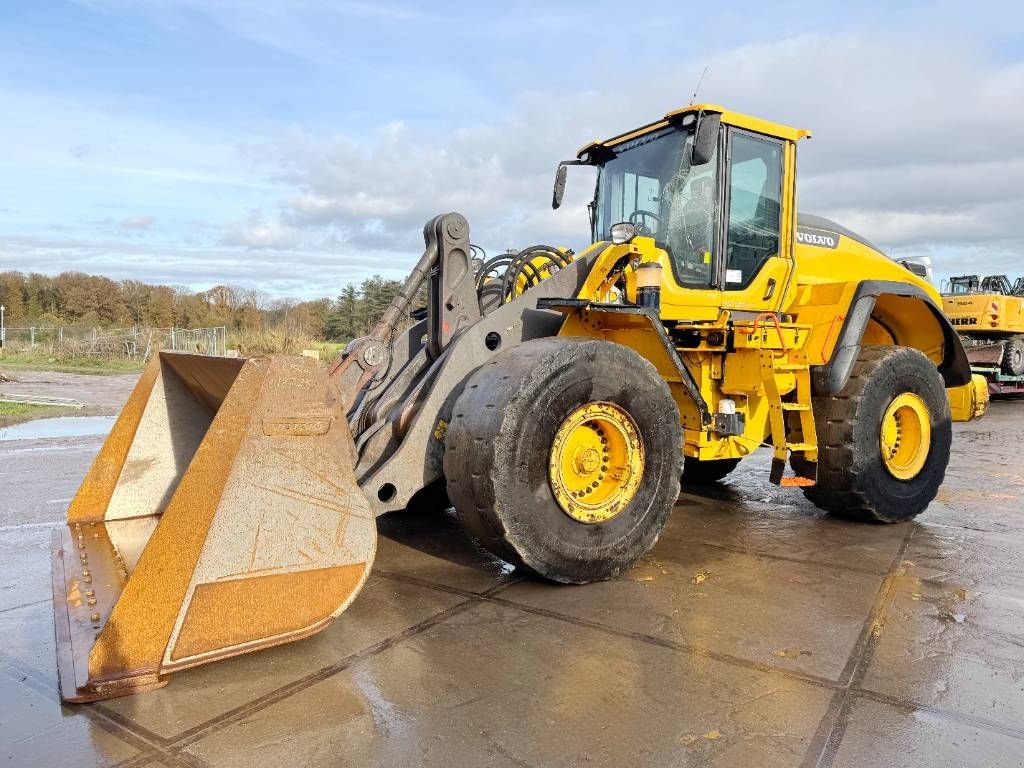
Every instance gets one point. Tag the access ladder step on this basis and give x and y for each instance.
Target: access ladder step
(801, 446)
(791, 367)
(795, 446)
(796, 406)
(796, 482)
(793, 481)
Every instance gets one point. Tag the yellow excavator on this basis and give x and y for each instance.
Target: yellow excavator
(988, 311)
(556, 400)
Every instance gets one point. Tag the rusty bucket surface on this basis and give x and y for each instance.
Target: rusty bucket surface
(220, 516)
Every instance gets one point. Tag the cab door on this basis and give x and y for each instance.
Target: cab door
(692, 242)
(756, 260)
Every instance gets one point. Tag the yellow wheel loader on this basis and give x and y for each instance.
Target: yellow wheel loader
(557, 403)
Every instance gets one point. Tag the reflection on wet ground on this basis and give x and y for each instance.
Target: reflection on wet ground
(757, 632)
(59, 426)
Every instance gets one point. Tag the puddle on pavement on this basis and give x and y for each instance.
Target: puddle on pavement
(61, 426)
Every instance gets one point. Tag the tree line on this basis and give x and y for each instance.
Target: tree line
(78, 299)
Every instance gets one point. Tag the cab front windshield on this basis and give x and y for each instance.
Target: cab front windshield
(651, 183)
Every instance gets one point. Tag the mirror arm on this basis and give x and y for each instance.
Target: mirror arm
(556, 196)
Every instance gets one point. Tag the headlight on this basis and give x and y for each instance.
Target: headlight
(622, 232)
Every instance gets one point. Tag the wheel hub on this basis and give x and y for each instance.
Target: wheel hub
(596, 462)
(587, 460)
(905, 436)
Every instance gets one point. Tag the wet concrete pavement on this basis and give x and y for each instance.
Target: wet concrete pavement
(758, 632)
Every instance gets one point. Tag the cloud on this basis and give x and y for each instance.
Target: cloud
(136, 223)
(131, 226)
(257, 232)
(916, 145)
(275, 273)
(380, 192)
(917, 139)
(307, 30)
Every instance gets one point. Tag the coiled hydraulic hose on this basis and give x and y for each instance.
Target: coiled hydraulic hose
(503, 277)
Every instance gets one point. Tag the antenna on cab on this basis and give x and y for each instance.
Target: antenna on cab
(697, 88)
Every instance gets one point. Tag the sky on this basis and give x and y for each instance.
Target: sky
(295, 146)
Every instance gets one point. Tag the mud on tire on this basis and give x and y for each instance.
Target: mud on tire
(853, 481)
(499, 440)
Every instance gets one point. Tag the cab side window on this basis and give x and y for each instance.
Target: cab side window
(755, 206)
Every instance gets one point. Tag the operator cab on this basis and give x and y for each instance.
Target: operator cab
(962, 285)
(707, 190)
(968, 284)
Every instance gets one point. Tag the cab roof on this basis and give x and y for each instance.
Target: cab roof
(738, 119)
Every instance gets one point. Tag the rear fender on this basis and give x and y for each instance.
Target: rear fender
(909, 317)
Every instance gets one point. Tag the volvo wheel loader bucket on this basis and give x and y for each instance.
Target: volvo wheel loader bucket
(221, 516)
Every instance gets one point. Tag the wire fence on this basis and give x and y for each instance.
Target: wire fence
(203, 341)
(135, 343)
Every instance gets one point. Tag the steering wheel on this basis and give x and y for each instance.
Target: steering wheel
(641, 226)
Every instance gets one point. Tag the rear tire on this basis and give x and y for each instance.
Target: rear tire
(501, 436)
(854, 481)
(1013, 356)
(697, 472)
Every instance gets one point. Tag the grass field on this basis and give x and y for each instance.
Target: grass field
(251, 344)
(69, 364)
(15, 413)
(328, 350)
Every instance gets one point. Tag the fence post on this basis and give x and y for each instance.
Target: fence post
(32, 331)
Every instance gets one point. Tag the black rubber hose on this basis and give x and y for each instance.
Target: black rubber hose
(498, 277)
(523, 261)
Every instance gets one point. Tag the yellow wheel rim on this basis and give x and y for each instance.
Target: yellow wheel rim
(596, 462)
(905, 436)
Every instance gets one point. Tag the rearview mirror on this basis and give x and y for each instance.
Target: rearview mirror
(706, 140)
(559, 190)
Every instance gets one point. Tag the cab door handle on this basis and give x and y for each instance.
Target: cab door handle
(770, 290)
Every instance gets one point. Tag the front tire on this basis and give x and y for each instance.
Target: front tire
(884, 441)
(563, 401)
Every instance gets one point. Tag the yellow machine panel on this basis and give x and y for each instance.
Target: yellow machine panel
(985, 314)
